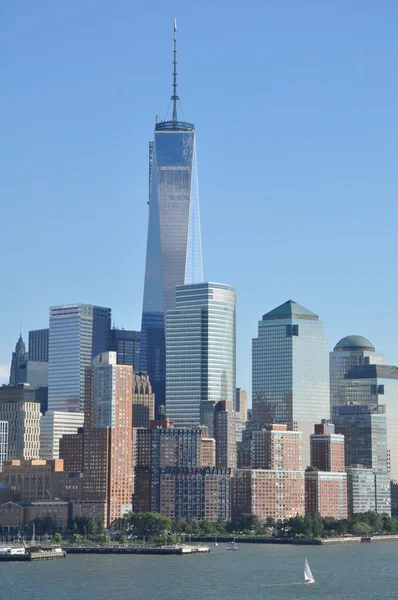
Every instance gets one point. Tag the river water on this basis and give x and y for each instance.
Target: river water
(360, 571)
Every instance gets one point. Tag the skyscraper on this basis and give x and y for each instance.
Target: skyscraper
(241, 404)
(3, 443)
(291, 371)
(18, 363)
(38, 345)
(174, 253)
(350, 351)
(376, 384)
(77, 331)
(201, 349)
(108, 429)
(126, 344)
(327, 449)
(365, 433)
(225, 430)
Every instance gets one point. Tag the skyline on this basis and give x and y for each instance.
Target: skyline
(75, 153)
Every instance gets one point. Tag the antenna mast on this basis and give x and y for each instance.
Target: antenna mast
(174, 97)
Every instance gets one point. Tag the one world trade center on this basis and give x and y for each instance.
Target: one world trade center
(174, 249)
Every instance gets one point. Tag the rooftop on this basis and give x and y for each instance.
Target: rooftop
(288, 310)
(353, 342)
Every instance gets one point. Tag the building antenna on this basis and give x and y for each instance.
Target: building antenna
(174, 97)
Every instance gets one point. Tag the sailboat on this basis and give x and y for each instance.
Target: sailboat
(215, 541)
(308, 577)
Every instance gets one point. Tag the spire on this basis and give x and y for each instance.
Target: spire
(174, 97)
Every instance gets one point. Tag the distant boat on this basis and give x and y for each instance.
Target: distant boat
(308, 577)
(232, 546)
(215, 541)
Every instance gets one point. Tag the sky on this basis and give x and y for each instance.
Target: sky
(295, 109)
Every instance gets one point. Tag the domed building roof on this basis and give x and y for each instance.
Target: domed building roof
(354, 342)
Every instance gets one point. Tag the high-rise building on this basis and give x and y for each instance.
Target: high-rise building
(368, 490)
(201, 350)
(277, 449)
(326, 494)
(54, 425)
(36, 375)
(225, 430)
(276, 488)
(174, 252)
(376, 384)
(108, 426)
(291, 371)
(77, 333)
(160, 448)
(71, 450)
(241, 403)
(18, 362)
(267, 494)
(350, 351)
(365, 434)
(206, 411)
(327, 449)
(126, 344)
(3, 443)
(38, 345)
(143, 400)
(19, 407)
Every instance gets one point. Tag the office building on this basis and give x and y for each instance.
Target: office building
(376, 384)
(3, 443)
(77, 333)
(368, 490)
(327, 449)
(54, 425)
(22, 412)
(351, 351)
(201, 350)
(394, 498)
(326, 494)
(241, 403)
(18, 361)
(108, 425)
(206, 411)
(143, 400)
(38, 345)
(291, 371)
(277, 449)
(126, 344)
(207, 452)
(365, 434)
(225, 430)
(174, 252)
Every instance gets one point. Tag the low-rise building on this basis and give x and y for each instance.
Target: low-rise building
(89, 509)
(11, 515)
(56, 510)
(368, 490)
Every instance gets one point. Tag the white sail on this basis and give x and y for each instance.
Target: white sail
(308, 577)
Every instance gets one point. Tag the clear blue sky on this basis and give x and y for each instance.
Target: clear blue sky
(295, 107)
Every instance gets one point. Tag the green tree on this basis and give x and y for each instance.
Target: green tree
(57, 537)
(206, 527)
(362, 529)
(149, 524)
(92, 526)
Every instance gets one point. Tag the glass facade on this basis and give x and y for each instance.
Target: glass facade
(126, 344)
(365, 434)
(290, 371)
(3, 443)
(377, 384)
(38, 345)
(174, 253)
(76, 332)
(349, 352)
(201, 350)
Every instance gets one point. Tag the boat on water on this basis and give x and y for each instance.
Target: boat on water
(31, 553)
(308, 576)
(232, 545)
